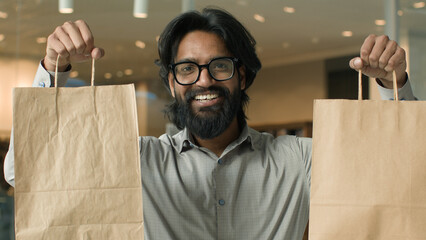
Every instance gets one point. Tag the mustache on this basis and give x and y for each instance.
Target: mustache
(221, 91)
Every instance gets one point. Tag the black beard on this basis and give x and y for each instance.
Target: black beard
(214, 120)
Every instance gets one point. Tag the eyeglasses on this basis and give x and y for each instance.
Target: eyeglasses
(220, 69)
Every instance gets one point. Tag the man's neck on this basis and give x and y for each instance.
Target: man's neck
(219, 143)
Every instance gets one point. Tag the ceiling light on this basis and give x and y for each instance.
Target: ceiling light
(107, 75)
(289, 9)
(380, 22)
(2, 37)
(188, 5)
(140, 9)
(66, 6)
(119, 74)
(286, 44)
(73, 74)
(419, 4)
(41, 40)
(242, 3)
(400, 13)
(259, 18)
(128, 72)
(140, 44)
(3, 15)
(347, 33)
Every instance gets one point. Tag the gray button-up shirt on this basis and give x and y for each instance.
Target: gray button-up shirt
(257, 189)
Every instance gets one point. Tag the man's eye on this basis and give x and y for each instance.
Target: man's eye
(186, 68)
(220, 67)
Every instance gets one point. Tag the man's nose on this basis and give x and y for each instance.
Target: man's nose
(205, 79)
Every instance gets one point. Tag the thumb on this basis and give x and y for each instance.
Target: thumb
(97, 53)
(356, 63)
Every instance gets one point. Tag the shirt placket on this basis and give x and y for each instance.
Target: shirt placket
(222, 200)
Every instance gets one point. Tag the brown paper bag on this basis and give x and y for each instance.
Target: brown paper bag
(368, 170)
(77, 169)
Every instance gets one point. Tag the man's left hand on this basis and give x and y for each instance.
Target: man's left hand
(379, 57)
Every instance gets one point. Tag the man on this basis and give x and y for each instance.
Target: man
(218, 178)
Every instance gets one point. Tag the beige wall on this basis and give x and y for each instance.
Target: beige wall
(13, 73)
(285, 94)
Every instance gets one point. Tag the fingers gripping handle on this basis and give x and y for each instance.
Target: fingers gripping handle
(92, 80)
(395, 86)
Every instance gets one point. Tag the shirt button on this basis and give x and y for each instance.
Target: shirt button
(220, 161)
(42, 84)
(221, 202)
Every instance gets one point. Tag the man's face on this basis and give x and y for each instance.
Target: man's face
(208, 105)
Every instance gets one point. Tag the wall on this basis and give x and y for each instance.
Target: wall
(285, 94)
(417, 57)
(13, 73)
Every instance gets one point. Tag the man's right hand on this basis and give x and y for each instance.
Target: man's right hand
(74, 42)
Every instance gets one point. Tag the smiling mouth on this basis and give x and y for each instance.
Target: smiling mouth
(206, 97)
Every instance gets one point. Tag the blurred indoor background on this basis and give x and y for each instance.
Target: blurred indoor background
(304, 46)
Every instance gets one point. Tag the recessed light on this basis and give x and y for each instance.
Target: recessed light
(259, 18)
(347, 33)
(3, 15)
(242, 3)
(380, 22)
(419, 4)
(107, 75)
(289, 9)
(119, 74)
(140, 44)
(400, 13)
(128, 72)
(41, 40)
(73, 74)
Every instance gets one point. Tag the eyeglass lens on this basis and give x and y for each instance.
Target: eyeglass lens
(219, 69)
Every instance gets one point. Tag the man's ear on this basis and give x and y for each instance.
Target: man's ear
(242, 75)
(172, 84)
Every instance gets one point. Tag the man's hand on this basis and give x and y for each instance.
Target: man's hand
(379, 57)
(74, 42)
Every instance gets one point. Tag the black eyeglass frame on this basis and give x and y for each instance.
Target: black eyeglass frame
(234, 60)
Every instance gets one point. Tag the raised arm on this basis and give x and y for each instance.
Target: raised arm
(74, 42)
(379, 57)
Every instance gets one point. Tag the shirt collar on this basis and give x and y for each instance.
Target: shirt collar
(184, 140)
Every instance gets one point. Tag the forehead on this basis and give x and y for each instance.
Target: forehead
(201, 46)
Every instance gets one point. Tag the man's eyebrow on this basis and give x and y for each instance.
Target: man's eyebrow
(195, 60)
(187, 60)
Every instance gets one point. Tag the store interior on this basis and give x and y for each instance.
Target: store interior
(304, 46)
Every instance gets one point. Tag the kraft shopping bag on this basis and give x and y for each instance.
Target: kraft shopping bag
(77, 169)
(368, 170)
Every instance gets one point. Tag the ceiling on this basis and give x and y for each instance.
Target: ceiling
(312, 32)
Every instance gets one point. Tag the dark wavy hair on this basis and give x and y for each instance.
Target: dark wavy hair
(239, 42)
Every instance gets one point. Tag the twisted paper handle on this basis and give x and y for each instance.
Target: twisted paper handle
(395, 86)
(92, 80)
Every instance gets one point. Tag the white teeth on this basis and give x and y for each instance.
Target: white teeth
(206, 97)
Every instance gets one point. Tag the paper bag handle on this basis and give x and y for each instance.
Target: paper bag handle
(395, 86)
(92, 80)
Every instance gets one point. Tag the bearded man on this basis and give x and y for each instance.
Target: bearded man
(218, 178)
